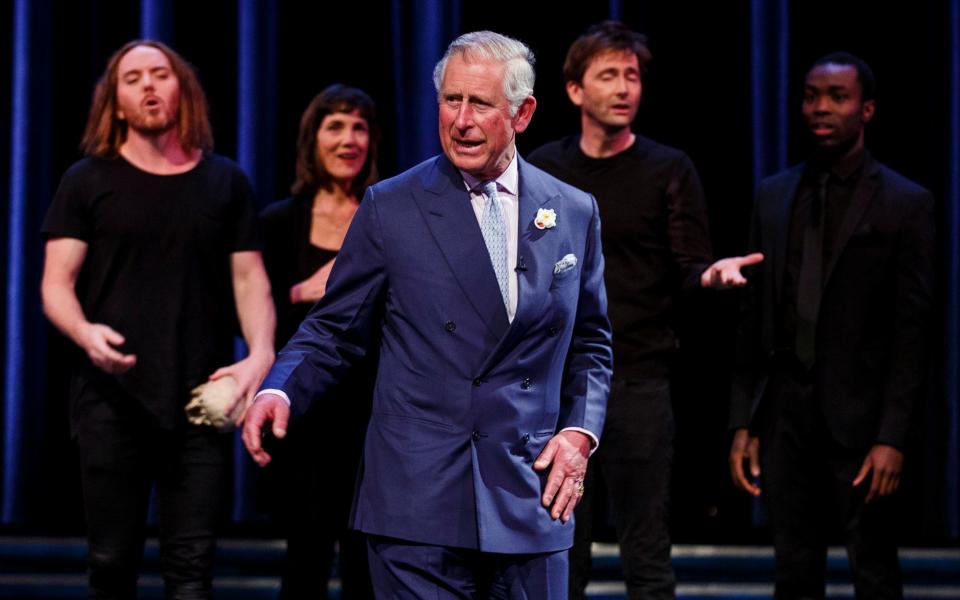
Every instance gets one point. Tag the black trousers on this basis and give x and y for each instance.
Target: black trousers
(807, 483)
(634, 463)
(122, 457)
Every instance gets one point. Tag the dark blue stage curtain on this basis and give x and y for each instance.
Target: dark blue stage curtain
(256, 111)
(952, 277)
(769, 36)
(13, 408)
(156, 20)
(261, 61)
(28, 179)
(421, 31)
(616, 9)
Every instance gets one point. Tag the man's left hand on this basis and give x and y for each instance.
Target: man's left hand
(249, 374)
(727, 273)
(885, 462)
(568, 452)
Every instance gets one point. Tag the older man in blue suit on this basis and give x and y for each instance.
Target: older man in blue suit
(482, 278)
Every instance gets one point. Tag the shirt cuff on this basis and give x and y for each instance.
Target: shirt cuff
(280, 393)
(594, 442)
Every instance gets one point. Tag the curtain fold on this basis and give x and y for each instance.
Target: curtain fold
(256, 110)
(156, 20)
(769, 79)
(16, 226)
(422, 29)
(24, 385)
(952, 277)
(769, 73)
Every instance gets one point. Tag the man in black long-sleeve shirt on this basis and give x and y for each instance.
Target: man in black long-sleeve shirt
(656, 242)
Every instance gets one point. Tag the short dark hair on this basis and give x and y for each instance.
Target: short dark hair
(336, 98)
(105, 133)
(868, 85)
(607, 36)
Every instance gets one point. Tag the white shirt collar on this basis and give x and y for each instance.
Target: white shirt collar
(507, 181)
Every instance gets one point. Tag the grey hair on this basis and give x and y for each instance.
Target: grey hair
(517, 58)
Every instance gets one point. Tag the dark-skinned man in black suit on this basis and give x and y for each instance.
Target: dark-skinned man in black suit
(831, 355)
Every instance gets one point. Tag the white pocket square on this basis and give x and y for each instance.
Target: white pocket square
(565, 264)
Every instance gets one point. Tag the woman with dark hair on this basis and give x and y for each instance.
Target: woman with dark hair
(336, 161)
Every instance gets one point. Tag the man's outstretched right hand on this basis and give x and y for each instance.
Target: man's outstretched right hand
(266, 410)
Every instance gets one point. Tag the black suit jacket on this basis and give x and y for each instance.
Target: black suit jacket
(871, 336)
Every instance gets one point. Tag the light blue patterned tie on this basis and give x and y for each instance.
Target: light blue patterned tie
(494, 229)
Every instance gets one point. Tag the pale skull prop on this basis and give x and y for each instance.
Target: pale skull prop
(209, 402)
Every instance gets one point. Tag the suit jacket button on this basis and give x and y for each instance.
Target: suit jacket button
(450, 326)
(525, 439)
(525, 384)
(477, 382)
(554, 330)
(475, 435)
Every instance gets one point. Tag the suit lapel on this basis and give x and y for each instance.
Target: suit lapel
(445, 204)
(866, 189)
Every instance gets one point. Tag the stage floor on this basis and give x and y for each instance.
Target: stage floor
(53, 568)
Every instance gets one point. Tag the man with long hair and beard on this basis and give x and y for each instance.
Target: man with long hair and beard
(152, 261)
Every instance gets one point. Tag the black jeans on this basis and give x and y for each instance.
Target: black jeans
(634, 463)
(122, 456)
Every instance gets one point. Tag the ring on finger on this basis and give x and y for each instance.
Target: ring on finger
(579, 483)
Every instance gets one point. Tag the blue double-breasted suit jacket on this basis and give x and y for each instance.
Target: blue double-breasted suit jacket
(464, 400)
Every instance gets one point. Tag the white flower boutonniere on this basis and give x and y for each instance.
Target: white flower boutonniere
(546, 218)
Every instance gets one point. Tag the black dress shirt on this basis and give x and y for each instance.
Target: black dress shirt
(844, 176)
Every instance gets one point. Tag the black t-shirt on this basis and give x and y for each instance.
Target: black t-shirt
(655, 238)
(157, 270)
